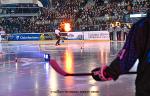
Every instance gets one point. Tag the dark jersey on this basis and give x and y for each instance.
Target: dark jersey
(137, 46)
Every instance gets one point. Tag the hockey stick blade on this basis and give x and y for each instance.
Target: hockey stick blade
(59, 70)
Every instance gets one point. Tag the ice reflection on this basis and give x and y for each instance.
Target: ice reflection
(53, 80)
(69, 66)
(103, 57)
(46, 67)
(94, 91)
(1, 54)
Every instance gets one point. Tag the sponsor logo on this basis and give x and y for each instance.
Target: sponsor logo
(98, 35)
(28, 37)
(70, 35)
(17, 37)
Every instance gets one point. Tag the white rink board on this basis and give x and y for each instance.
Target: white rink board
(74, 35)
(88, 35)
(96, 35)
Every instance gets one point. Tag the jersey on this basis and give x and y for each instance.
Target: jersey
(57, 32)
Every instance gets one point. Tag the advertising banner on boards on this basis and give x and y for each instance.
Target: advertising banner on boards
(31, 36)
(88, 35)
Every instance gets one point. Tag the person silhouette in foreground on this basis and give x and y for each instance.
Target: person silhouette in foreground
(137, 46)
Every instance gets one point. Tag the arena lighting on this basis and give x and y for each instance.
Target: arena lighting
(137, 15)
(117, 24)
(67, 27)
(112, 25)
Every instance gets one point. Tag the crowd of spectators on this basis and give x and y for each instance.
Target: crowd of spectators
(97, 14)
(22, 25)
(88, 15)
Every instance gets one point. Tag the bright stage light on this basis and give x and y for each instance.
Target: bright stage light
(67, 27)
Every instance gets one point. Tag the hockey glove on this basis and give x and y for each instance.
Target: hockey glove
(104, 74)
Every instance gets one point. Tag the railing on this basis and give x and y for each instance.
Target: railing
(19, 11)
(19, 14)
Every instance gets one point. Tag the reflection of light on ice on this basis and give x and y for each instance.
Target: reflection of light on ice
(69, 61)
(69, 66)
(0, 38)
(46, 67)
(94, 91)
(134, 68)
(1, 55)
(103, 57)
(53, 80)
(0, 48)
(16, 65)
(104, 50)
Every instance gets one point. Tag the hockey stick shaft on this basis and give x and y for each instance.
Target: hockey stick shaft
(59, 70)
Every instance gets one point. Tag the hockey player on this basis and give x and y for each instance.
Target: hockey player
(118, 30)
(125, 30)
(137, 46)
(57, 34)
(111, 29)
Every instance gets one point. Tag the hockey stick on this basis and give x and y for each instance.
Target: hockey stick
(57, 68)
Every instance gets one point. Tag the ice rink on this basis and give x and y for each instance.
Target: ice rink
(24, 72)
